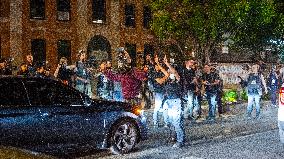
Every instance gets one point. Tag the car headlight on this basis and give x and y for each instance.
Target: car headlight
(138, 111)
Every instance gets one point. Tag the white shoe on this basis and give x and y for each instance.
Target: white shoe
(178, 145)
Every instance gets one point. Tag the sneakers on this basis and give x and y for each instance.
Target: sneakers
(210, 118)
(178, 145)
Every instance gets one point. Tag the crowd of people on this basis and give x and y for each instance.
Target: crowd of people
(177, 90)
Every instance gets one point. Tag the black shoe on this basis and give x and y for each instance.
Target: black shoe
(197, 117)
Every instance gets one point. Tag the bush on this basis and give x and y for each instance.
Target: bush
(230, 96)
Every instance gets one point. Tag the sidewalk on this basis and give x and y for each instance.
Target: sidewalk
(231, 124)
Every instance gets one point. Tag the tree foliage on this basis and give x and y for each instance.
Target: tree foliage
(204, 25)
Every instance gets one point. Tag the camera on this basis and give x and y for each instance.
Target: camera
(120, 49)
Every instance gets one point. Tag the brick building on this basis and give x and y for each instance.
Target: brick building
(50, 29)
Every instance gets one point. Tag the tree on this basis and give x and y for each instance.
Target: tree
(205, 25)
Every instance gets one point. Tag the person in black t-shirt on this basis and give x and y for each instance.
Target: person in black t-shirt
(157, 78)
(189, 88)
(173, 103)
(210, 81)
(63, 72)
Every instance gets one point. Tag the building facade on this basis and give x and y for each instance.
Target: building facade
(51, 29)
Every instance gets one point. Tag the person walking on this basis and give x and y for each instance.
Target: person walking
(104, 85)
(189, 88)
(63, 72)
(173, 103)
(273, 85)
(83, 75)
(255, 81)
(131, 80)
(158, 76)
(210, 81)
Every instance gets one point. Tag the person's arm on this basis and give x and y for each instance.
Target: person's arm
(217, 80)
(56, 71)
(172, 69)
(166, 75)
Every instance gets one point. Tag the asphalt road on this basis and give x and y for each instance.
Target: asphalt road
(263, 145)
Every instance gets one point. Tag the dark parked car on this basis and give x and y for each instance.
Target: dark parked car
(45, 112)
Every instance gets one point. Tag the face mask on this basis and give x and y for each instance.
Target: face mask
(172, 76)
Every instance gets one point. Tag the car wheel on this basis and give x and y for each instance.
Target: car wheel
(123, 138)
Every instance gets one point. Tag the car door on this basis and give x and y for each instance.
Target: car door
(18, 119)
(66, 119)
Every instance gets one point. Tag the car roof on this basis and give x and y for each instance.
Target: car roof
(25, 77)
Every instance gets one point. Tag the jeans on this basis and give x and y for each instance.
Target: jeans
(175, 118)
(253, 98)
(197, 103)
(219, 102)
(188, 110)
(117, 96)
(211, 98)
(273, 95)
(85, 88)
(117, 92)
(158, 107)
(281, 131)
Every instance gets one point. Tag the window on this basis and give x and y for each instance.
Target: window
(12, 93)
(64, 49)
(67, 97)
(129, 15)
(0, 48)
(63, 10)
(147, 17)
(52, 94)
(38, 50)
(37, 9)
(99, 11)
(131, 49)
(4, 8)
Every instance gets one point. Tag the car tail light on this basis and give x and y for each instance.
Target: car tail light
(281, 96)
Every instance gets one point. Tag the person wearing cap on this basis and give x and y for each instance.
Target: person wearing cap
(272, 83)
(210, 81)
